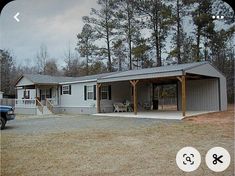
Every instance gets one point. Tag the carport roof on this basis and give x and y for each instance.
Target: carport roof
(163, 71)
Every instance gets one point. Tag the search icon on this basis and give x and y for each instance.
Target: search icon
(188, 159)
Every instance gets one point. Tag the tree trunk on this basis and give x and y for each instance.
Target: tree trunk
(198, 44)
(87, 66)
(129, 37)
(178, 33)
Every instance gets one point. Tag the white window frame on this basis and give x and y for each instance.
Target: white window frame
(65, 89)
(104, 90)
(90, 92)
(26, 94)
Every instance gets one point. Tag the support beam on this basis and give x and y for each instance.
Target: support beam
(98, 86)
(183, 88)
(134, 85)
(179, 78)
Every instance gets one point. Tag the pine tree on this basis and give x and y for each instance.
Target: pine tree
(157, 17)
(104, 23)
(85, 45)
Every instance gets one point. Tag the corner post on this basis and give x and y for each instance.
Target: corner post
(134, 84)
(183, 85)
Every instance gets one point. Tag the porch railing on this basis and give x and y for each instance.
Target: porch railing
(7, 102)
(39, 105)
(52, 101)
(25, 103)
(49, 104)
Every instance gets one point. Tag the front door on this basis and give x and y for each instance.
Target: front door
(44, 94)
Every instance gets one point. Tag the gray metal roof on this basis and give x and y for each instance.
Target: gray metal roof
(47, 79)
(163, 71)
(169, 70)
(86, 78)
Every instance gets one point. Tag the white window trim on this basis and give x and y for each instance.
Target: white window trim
(105, 91)
(64, 89)
(90, 91)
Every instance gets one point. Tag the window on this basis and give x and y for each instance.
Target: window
(104, 92)
(26, 94)
(90, 93)
(66, 89)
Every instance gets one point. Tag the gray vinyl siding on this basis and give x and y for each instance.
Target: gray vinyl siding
(201, 95)
(223, 93)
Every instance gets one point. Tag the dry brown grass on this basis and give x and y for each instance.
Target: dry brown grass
(137, 151)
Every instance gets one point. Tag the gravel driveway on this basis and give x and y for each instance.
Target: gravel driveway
(56, 123)
(102, 146)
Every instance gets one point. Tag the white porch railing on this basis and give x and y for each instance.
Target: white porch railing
(25, 103)
(52, 101)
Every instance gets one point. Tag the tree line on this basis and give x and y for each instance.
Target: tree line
(133, 34)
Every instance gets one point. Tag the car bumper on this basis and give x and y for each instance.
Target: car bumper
(10, 116)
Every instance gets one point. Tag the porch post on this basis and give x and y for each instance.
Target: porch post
(98, 85)
(36, 91)
(134, 84)
(183, 95)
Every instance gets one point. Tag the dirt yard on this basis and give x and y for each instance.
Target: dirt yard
(99, 146)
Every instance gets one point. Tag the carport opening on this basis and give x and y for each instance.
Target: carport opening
(165, 96)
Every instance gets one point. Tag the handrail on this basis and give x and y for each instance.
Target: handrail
(40, 106)
(49, 105)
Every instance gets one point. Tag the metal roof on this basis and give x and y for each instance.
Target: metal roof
(47, 79)
(86, 78)
(163, 71)
(168, 70)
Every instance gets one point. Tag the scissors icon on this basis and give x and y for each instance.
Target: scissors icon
(217, 159)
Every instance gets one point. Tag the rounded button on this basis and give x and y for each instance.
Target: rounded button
(218, 159)
(188, 159)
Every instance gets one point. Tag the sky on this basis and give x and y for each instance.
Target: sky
(54, 23)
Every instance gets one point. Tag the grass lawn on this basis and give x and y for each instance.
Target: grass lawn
(143, 150)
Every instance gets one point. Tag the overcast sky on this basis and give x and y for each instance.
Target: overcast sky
(53, 23)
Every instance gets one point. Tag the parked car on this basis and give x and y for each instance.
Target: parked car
(7, 113)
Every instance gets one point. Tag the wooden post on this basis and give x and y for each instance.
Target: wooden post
(183, 95)
(36, 90)
(98, 85)
(134, 83)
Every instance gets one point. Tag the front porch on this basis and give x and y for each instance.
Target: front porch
(36, 99)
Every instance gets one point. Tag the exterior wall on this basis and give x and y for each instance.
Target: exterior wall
(223, 93)
(121, 91)
(1, 95)
(209, 70)
(24, 82)
(201, 95)
(76, 99)
(28, 111)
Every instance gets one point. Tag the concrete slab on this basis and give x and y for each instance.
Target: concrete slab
(176, 115)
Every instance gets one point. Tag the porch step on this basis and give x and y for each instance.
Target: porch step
(46, 111)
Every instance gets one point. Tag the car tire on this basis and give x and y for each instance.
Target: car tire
(2, 123)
